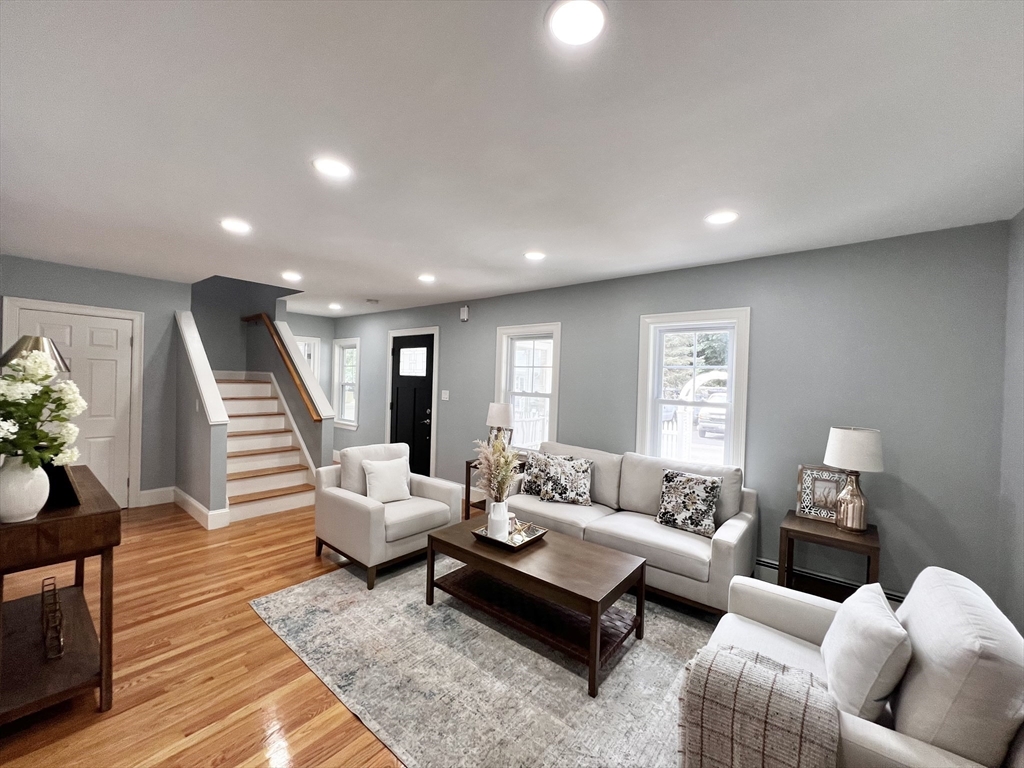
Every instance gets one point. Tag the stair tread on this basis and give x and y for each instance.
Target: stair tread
(250, 415)
(255, 397)
(261, 451)
(266, 471)
(241, 381)
(271, 494)
(257, 432)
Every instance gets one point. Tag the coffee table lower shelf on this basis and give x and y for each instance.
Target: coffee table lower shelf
(562, 629)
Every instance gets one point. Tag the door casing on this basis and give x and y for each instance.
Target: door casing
(435, 331)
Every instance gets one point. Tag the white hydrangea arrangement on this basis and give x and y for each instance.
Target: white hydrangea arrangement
(36, 412)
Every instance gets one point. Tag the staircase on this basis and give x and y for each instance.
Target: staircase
(267, 471)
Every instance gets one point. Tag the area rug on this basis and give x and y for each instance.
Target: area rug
(446, 685)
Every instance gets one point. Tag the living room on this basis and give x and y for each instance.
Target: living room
(774, 248)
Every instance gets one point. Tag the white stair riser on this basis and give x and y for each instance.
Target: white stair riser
(264, 460)
(235, 407)
(249, 423)
(270, 506)
(258, 442)
(267, 482)
(247, 389)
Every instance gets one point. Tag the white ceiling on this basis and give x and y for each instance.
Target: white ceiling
(128, 129)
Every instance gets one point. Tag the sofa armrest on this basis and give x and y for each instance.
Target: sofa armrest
(733, 553)
(352, 523)
(795, 613)
(440, 490)
(864, 744)
(328, 477)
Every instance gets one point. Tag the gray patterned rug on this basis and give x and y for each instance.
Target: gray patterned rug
(446, 685)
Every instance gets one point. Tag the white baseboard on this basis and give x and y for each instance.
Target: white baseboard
(155, 496)
(218, 518)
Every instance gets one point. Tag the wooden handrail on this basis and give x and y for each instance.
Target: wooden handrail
(296, 379)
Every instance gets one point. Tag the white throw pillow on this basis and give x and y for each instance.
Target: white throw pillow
(387, 480)
(866, 651)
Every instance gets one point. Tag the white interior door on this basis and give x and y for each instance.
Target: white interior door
(99, 352)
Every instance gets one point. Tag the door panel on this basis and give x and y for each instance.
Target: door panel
(98, 352)
(412, 371)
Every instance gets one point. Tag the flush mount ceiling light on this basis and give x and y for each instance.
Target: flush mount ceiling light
(721, 217)
(535, 255)
(236, 226)
(291, 277)
(334, 305)
(332, 167)
(425, 278)
(576, 22)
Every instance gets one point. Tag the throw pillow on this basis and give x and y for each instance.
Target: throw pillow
(688, 502)
(387, 480)
(567, 480)
(534, 473)
(866, 651)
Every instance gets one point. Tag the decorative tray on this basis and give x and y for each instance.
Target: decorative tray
(529, 532)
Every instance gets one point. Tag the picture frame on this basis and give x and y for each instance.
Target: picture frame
(817, 488)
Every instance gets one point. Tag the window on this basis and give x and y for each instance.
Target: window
(527, 377)
(346, 383)
(692, 399)
(412, 361)
(309, 348)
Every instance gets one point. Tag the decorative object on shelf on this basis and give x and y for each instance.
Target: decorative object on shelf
(856, 450)
(519, 537)
(498, 466)
(53, 620)
(817, 489)
(499, 419)
(35, 425)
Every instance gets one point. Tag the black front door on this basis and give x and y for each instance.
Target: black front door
(412, 390)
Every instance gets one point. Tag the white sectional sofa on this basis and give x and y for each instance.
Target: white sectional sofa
(626, 495)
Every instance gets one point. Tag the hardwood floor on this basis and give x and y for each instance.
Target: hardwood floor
(199, 679)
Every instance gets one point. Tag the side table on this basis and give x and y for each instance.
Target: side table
(824, 532)
(28, 682)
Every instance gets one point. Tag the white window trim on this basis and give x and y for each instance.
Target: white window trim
(315, 367)
(649, 327)
(501, 395)
(340, 345)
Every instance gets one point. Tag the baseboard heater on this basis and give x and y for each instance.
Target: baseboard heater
(761, 562)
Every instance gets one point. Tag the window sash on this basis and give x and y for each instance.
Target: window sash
(341, 387)
(531, 374)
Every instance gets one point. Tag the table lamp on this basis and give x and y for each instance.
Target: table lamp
(35, 344)
(499, 419)
(855, 450)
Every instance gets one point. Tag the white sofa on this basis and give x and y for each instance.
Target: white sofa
(372, 534)
(626, 495)
(789, 626)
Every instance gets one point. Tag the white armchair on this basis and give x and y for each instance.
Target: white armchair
(369, 533)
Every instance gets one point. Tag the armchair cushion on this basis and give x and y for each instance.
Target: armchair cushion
(387, 480)
(669, 549)
(736, 630)
(414, 515)
(353, 478)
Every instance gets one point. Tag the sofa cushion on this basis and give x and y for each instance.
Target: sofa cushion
(604, 481)
(688, 502)
(387, 480)
(964, 687)
(742, 632)
(640, 490)
(569, 519)
(567, 480)
(351, 460)
(865, 651)
(679, 552)
(412, 516)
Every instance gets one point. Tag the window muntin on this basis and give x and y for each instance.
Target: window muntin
(346, 382)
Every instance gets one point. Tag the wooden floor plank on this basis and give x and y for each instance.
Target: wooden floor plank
(199, 679)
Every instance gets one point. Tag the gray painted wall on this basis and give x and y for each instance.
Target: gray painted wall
(1011, 487)
(904, 334)
(158, 299)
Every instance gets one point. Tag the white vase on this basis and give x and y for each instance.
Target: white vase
(23, 490)
(497, 520)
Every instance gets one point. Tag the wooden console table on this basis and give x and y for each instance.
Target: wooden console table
(28, 682)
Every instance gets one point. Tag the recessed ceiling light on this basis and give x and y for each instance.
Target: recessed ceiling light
(534, 255)
(291, 277)
(236, 226)
(332, 167)
(335, 306)
(425, 278)
(721, 217)
(576, 21)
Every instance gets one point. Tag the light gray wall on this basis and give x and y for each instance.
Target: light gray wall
(158, 299)
(1011, 487)
(318, 327)
(904, 334)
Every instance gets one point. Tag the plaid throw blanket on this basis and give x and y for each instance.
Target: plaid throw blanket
(742, 709)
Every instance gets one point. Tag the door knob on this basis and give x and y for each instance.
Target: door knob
(425, 421)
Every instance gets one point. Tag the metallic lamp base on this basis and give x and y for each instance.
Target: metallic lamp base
(851, 506)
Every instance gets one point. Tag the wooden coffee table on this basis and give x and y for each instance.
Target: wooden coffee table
(560, 590)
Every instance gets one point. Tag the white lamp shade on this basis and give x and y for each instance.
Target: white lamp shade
(854, 448)
(499, 415)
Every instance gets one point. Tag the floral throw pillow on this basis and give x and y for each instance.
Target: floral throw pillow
(567, 480)
(535, 472)
(688, 502)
